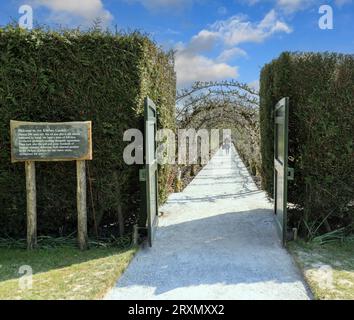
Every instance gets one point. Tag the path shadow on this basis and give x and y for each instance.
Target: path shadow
(184, 199)
(229, 249)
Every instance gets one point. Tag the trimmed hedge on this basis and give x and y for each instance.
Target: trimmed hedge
(78, 76)
(321, 91)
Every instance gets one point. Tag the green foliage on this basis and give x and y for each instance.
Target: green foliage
(321, 91)
(77, 76)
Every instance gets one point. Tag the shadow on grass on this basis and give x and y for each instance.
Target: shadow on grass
(44, 260)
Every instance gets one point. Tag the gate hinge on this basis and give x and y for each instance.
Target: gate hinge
(291, 174)
(142, 175)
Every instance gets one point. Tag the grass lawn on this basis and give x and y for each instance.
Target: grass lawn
(63, 272)
(328, 269)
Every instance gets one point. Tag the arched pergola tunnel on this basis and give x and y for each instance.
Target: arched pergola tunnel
(225, 105)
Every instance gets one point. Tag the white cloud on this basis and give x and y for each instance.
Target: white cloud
(194, 67)
(238, 30)
(79, 11)
(229, 54)
(205, 40)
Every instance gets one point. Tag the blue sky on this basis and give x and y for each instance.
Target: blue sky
(213, 39)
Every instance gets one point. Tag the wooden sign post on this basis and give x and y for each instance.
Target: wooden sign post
(67, 141)
(31, 193)
(81, 204)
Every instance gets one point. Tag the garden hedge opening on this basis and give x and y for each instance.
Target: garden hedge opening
(103, 77)
(321, 130)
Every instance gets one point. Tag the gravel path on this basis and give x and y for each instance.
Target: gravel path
(216, 240)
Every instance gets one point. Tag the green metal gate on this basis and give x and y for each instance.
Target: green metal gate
(149, 176)
(282, 173)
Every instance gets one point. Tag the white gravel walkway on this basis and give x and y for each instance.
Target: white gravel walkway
(216, 240)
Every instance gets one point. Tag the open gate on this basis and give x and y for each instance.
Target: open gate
(282, 173)
(149, 175)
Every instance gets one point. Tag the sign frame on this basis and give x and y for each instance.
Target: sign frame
(31, 190)
(87, 156)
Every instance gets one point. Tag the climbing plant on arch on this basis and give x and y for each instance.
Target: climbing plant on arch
(224, 105)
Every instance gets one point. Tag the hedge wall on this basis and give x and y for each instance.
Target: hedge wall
(321, 91)
(78, 76)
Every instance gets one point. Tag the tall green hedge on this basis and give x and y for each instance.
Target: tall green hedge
(321, 92)
(76, 76)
